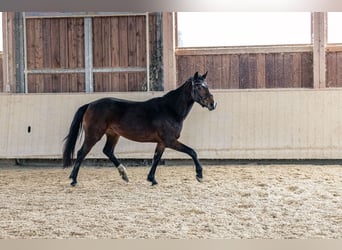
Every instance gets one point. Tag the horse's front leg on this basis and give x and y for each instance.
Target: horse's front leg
(176, 145)
(156, 158)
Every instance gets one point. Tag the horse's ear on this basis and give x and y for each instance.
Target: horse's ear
(205, 75)
(195, 76)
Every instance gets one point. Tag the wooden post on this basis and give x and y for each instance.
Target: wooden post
(169, 57)
(9, 85)
(319, 40)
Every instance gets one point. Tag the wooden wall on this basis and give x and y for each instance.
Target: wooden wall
(55, 43)
(250, 70)
(334, 69)
(118, 42)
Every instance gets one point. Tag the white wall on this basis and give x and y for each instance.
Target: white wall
(258, 124)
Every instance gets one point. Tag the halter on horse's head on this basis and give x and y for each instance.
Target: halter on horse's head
(200, 92)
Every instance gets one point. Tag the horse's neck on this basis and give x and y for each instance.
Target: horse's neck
(180, 100)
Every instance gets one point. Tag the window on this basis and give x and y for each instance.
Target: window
(334, 27)
(208, 29)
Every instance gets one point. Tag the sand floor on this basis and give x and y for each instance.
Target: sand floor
(233, 202)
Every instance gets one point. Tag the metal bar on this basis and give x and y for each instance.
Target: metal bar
(120, 70)
(81, 70)
(88, 47)
(79, 14)
(54, 71)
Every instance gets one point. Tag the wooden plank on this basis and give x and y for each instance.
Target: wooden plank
(200, 65)
(297, 70)
(339, 70)
(270, 71)
(141, 79)
(225, 71)
(234, 73)
(252, 71)
(243, 72)
(288, 70)
(63, 42)
(80, 42)
(106, 43)
(55, 80)
(47, 56)
(132, 82)
(36, 83)
(307, 70)
(215, 77)
(64, 83)
(46, 83)
(115, 82)
(30, 81)
(123, 43)
(260, 71)
(184, 69)
(73, 83)
(123, 82)
(279, 70)
(331, 69)
(140, 23)
(55, 48)
(105, 47)
(30, 26)
(114, 38)
(72, 43)
(97, 41)
(131, 41)
(38, 44)
(81, 82)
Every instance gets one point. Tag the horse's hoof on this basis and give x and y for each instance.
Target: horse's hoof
(73, 183)
(152, 180)
(199, 179)
(123, 172)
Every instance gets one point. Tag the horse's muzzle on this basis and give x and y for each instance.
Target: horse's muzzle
(212, 106)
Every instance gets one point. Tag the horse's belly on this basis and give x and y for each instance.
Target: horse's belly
(135, 134)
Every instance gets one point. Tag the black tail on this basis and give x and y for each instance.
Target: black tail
(71, 138)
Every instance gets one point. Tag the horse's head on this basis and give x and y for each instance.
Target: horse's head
(200, 92)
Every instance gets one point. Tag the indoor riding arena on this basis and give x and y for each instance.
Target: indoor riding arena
(271, 150)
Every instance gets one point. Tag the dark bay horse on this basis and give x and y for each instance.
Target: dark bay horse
(156, 120)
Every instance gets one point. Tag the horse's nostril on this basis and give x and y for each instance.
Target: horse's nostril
(213, 105)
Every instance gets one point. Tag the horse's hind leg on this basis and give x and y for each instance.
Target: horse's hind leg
(108, 150)
(81, 154)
